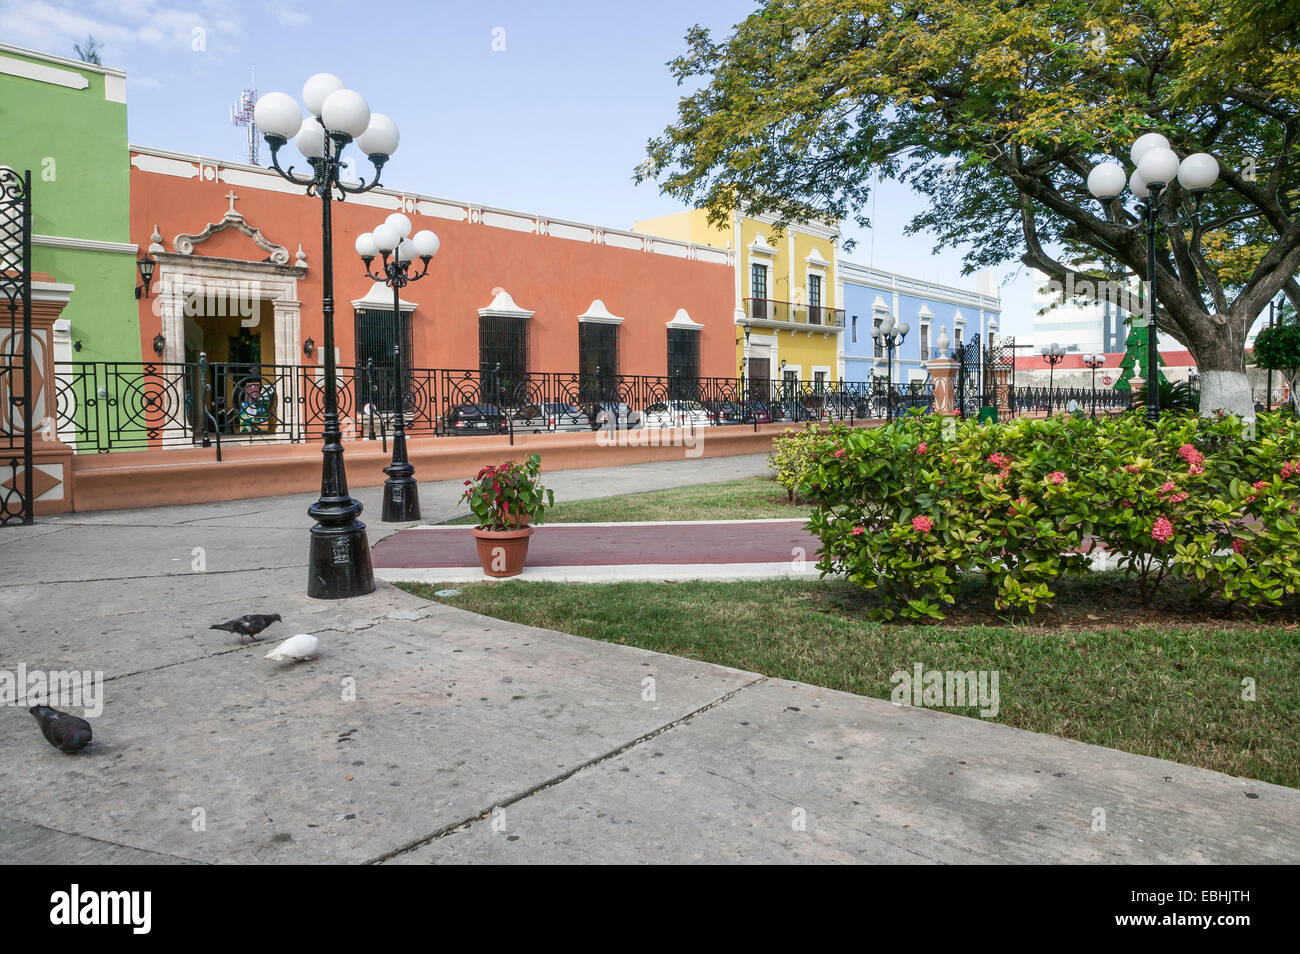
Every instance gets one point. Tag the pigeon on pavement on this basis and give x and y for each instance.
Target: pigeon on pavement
(249, 625)
(298, 648)
(67, 733)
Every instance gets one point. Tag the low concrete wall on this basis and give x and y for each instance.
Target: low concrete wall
(193, 475)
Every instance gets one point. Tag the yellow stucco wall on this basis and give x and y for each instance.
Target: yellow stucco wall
(788, 272)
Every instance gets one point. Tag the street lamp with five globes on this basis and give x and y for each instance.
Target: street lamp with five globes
(339, 563)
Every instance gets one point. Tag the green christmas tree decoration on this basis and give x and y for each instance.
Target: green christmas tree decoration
(1135, 355)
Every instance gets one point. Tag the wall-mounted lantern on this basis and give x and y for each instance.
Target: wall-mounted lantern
(146, 267)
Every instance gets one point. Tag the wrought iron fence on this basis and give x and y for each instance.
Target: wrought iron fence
(112, 406)
(1029, 400)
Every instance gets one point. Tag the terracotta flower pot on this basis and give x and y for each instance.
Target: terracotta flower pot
(502, 552)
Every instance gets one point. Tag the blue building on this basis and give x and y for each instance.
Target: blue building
(932, 310)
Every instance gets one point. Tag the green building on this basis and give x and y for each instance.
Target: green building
(66, 122)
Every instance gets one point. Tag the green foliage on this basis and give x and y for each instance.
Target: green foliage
(509, 495)
(1278, 347)
(996, 110)
(907, 509)
(793, 456)
(1178, 396)
(90, 54)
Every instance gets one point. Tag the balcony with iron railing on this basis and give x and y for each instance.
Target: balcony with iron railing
(794, 313)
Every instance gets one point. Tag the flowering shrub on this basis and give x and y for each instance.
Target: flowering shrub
(909, 508)
(508, 496)
(794, 455)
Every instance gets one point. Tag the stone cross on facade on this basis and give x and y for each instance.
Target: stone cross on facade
(232, 197)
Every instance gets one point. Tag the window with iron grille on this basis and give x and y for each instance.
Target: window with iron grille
(757, 281)
(957, 331)
(376, 338)
(879, 346)
(683, 363)
(502, 355)
(815, 299)
(819, 381)
(597, 359)
(925, 342)
(855, 329)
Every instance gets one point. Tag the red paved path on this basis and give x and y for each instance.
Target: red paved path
(584, 545)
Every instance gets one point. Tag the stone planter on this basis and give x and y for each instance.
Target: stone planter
(502, 553)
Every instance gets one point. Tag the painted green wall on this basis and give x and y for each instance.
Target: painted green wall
(74, 142)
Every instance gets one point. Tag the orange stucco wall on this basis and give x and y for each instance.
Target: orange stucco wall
(557, 278)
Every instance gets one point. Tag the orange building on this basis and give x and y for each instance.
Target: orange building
(238, 278)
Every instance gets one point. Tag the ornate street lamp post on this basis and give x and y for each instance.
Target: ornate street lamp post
(1094, 361)
(1156, 167)
(390, 241)
(890, 334)
(1053, 354)
(744, 368)
(339, 558)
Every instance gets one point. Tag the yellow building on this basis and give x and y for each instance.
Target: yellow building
(785, 294)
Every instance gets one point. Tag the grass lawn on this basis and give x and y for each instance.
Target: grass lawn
(1171, 690)
(747, 499)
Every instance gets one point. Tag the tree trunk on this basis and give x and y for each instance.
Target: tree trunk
(1221, 359)
(1227, 391)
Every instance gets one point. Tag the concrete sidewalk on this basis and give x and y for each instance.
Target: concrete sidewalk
(424, 733)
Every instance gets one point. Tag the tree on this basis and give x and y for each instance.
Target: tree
(997, 110)
(91, 53)
(1278, 348)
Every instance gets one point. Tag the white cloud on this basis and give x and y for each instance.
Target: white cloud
(292, 18)
(132, 34)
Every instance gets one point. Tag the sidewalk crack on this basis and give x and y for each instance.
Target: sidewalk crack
(564, 776)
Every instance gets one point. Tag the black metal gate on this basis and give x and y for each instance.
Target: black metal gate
(968, 388)
(1000, 372)
(15, 347)
(985, 376)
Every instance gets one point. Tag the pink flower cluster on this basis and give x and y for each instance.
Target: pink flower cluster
(1056, 477)
(1238, 545)
(839, 452)
(1169, 487)
(1195, 459)
(859, 530)
(921, 447)
(1289, 468)
(1163, 530)
(1257, 486)
(922, 524)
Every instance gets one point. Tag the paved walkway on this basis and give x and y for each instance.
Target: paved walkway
(425, 733)
(604, 552)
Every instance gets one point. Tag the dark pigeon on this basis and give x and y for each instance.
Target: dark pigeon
(67, 733)
(248, 626)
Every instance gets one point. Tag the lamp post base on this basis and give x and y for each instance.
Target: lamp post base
(338, 565)
(401, 498)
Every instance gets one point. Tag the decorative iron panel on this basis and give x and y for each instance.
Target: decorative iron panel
(16, 496)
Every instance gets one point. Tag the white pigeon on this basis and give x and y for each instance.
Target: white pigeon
(300, 647)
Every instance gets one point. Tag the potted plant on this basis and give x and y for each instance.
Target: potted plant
(508, 500)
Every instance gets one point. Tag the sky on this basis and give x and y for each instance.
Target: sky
(541, 107)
